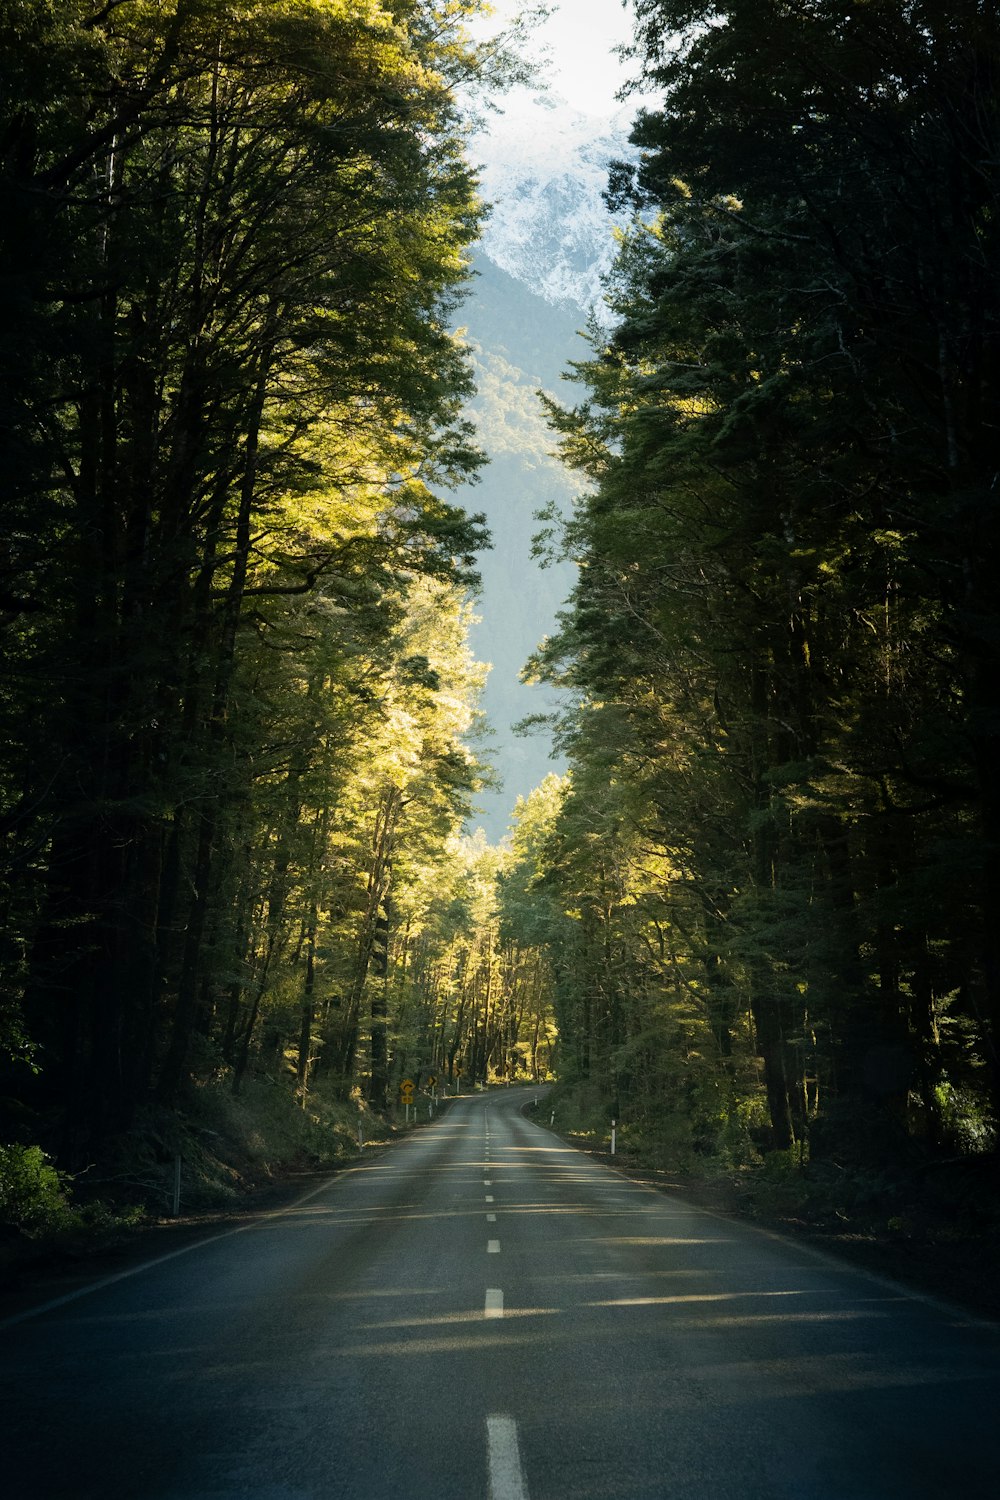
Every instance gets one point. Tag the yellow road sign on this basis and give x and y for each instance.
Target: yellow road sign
(431, 1081)
(406, 1087)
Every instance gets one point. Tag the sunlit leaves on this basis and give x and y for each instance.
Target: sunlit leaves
(233, 240)
(783, 684)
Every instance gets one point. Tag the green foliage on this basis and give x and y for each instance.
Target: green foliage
(234, 602)
(965, 1119)
(32, 1193)
(775, 863)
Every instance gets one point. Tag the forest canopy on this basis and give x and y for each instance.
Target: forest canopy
(238, 707)
(775, 878)
(239, 713)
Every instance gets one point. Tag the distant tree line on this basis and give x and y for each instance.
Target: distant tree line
(770, 894)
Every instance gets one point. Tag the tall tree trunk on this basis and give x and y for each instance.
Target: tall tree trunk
(308, 1008)
(764, 1003)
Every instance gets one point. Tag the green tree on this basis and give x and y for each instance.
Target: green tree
(232, 243)
(778, 636)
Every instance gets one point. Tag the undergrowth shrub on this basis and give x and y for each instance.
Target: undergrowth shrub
(32, 1195)
(230, 1144)
(36, 1201)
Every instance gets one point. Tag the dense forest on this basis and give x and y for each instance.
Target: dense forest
(780, 847)
(757, 919)
(238, 704)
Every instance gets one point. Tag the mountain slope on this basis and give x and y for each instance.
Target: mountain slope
(547, 244)
(521, 344)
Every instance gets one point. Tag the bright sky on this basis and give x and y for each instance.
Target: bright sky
(581, 35)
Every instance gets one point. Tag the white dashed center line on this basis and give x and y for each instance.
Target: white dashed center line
(506, 1474)
(494, 1302)
(489, 1197)
(491, 1218)
(492, 1247)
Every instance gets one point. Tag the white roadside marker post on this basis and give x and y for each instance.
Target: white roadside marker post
(614, 1125)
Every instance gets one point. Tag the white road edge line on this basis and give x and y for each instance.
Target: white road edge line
(506, 1474)
(494, 1303)
(953, 1311)
(159, 1260)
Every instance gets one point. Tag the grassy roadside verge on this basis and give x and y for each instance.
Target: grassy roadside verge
(239, 1157)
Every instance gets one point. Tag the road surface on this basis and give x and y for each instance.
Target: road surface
(482, 1313)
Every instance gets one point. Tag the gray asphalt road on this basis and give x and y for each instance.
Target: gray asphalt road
(483, 1312)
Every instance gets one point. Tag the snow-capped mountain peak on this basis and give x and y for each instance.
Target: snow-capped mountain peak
(543, 168)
